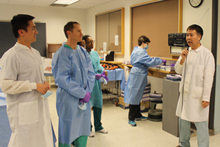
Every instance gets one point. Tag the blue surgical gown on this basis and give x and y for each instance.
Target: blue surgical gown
(137, 79)
(96, 95)
(74, 76)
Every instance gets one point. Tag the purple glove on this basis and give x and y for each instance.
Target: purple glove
(86, 98)
(172, 64)
(104, 76)
(98, 76)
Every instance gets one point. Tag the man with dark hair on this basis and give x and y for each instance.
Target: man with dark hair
(75, 77)
(96, 95)
(22, 79)
(143, 39)
(197, 67)
(137, 80)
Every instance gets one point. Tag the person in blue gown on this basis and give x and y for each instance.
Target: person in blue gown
(137, 79)
(96, 95)
(74, 75)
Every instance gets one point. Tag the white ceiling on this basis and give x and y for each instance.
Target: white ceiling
(82, 4)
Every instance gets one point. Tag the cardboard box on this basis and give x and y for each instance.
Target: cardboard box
(122, 104)
(145, 105)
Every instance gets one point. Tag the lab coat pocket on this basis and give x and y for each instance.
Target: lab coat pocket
(199, 75)
(28, 113)
(197, 92)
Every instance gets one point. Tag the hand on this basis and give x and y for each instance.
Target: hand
(86, 98)
(106, 73)
(81, 101)
(47, 84)
(184, 55)
(42, 88)
(98, 76)
(205, 104)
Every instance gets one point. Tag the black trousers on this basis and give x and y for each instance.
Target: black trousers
(134, 112)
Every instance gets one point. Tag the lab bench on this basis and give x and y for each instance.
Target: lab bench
(155, 72)
(115, 84)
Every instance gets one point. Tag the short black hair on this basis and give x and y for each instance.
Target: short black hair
(69, 27)
(143, 39)
(20, 21)
(85, 37)
(197, 28)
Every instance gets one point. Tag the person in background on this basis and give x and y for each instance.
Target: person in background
(75, 78)
(96, 95)
(22, 80)
(197, 66)
(137, 79)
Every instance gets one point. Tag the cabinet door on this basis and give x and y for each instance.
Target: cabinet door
(170, 121)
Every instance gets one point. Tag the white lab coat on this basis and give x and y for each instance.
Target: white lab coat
(195, 86)
(28, 112)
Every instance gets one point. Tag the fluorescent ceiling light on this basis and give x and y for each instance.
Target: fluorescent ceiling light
(65, 2)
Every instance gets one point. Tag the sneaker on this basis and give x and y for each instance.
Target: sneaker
(132, 123)
(103, 131)
(141, 118)
(92, 134)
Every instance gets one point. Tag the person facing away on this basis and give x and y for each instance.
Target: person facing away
(96, 101)
(197, 67)
(137, 80)
(22, 80)
(75, 78)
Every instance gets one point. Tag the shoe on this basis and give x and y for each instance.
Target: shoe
(179, 146)
(103, 131)
(92, 134)
(141, 118)
(133, 123)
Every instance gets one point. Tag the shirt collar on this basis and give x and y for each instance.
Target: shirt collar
(197, 50)
(23, 46)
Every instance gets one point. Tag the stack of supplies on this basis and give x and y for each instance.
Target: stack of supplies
(174, 77)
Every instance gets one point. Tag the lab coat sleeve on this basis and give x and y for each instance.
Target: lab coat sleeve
(208, 77)
(15, 87)
(145, 59)
(9, 73)
(61, 68)
(178, 66)
(91, 75)
(99, 69)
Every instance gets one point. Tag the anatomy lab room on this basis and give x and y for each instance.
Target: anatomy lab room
(109, 73)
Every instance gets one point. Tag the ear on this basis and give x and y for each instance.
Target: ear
(68, 33)
(21, 32)
(200, 36)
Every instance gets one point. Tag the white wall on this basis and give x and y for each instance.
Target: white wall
(217, 94)
(54, 17)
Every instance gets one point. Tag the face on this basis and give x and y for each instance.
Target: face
(193, 39)
(145, 44)
(30, 35)
(76, 33)
(89, 44)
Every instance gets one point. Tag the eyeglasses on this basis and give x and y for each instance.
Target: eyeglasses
(91, 41)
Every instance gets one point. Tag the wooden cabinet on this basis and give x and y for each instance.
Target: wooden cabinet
(52, 48)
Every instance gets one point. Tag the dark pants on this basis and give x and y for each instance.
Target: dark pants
(134, 112)
(97, 113)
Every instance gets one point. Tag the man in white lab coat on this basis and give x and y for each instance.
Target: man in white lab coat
(197, 67)
(22, 80)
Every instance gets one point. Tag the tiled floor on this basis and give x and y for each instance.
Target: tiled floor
(121, 134)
